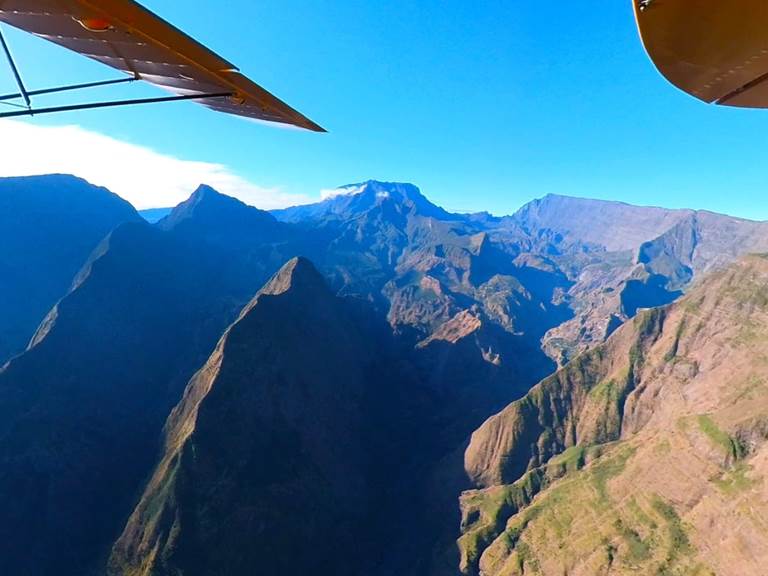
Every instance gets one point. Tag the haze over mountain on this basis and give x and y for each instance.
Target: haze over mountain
(341, 397)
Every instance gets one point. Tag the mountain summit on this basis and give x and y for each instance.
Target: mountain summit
(353, 200)
(208, 208)
(271, 435)
(297, 274)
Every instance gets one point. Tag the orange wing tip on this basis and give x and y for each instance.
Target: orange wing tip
(95, 24)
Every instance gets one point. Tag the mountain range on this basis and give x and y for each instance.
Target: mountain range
(374, 385)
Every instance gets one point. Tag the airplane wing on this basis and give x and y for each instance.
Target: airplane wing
(715, 50)
(126, 36)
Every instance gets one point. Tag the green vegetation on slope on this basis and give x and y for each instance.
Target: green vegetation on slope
(679, 490)
(486, 512)
(731, 446)
(736, 480)
(577, 518)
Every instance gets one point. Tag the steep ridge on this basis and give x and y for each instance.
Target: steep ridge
(206, 210)
(48, 227)
(645, 455)
(273, 434)
(82, 408)
(304, 365)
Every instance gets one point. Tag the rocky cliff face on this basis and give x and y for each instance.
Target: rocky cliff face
(644, 455)
(700, 243)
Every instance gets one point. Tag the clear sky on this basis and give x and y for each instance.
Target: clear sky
(484, 105)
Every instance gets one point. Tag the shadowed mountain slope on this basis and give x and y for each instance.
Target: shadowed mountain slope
(82, 409)
(48, 227)
(699, 243)
(273, 434)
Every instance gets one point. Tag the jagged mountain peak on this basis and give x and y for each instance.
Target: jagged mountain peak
(208, 207)
(204, 191)
(377, 188)
(299, 278)
(297, 273)
(277, 409)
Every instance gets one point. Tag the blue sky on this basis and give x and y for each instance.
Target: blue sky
(484, 105)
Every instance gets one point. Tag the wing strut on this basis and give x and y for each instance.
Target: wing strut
(111, 104)
(127, 37)
(27, 94)
(15, 70)
(56, 89)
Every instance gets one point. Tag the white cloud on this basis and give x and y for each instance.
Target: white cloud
(343, 191)
(144, 177)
